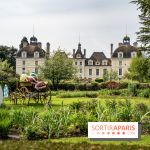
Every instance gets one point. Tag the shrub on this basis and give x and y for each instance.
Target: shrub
(144, 93)
(32, 132)
(112, 85)
(132, 87)
(99, 80)
(77, 105)
(5, 125)
(92, 94)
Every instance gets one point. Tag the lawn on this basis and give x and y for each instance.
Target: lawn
(76, 143)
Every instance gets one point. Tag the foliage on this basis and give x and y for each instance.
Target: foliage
(8, 53)
(140, 69)
(109, 76)
(58, 67)
(132, 87)
(99, 80)
(144, 31)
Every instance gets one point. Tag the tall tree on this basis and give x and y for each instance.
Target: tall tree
(140, 69)
(8, 53)
(144, 31)
(58, 67)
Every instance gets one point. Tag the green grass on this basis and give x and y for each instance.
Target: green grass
(57, 102)
(76, 143)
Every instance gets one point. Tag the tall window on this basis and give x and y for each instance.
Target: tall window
(36, 54)
(36, 70)
(120, 71)
(90, 72)
(90, 62)
(80, 70)
(23, 70)
(81, 63)
(36, 63)
(97, 72)
(24, 54)
(120, 55)
(120, 63)
(23, 62)
(104, 71)
(76, 63)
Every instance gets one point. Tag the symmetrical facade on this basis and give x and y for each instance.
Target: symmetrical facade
(30, 55)
(97, 65)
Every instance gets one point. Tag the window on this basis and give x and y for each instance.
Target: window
(36, 63)
(36, 70)
(36, 54)
(24, 54)
(23, 70)
(120, 63)
(90, 62)
(97, 72)
(76, 63)
(78, 56)
(80, 70)
(97, 63)
(23, 63)
(120, 71)
(104, 62)
(90, 72)
(104, 72)
(80, 63)
(133, 54)
(120, 55)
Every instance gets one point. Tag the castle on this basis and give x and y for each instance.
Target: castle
(31, 55)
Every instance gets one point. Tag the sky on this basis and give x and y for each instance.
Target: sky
(63, 23)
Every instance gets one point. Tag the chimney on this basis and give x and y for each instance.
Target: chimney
(73, 52)
(120, 44)
(84, 53)
(135, 44)
(39, 44)
(111, 48)
(48, 48)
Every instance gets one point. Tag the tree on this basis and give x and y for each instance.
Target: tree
(58, 67)
(144, 31)
(109, 76)
(6, 71)
(8, 53)
(140, 69)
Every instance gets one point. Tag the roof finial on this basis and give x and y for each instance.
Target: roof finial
(126, 30)
(33, 30)
(79, 37)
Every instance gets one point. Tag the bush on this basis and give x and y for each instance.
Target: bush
(132, 87)
(5, 125)
(113, 85)
(77, 105)
(99, 80)
(92, 94)
(144, 93)
(32, 132)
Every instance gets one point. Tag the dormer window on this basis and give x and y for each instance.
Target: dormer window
(97, 63)
(24, 54)
(120, 55)
(133, 54)
(36, 54)
(90, 62)
(104, 63)
(78, 56)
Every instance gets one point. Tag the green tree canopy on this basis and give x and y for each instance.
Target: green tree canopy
(144, 31)
(58, 67)
(140, 69)
(6, 71)
(8, 53)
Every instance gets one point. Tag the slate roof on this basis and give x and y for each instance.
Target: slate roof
(126, 49)
(98, 57)
(79, 51)
(30, 49)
